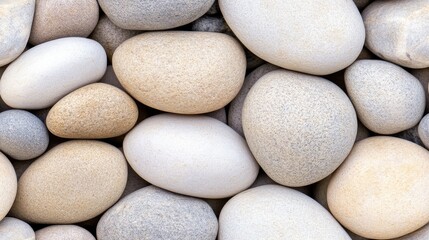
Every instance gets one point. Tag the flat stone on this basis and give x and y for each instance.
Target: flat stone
(15, 229)
(8, 185)
(64, 232)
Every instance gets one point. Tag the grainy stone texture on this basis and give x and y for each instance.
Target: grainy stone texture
(8, 185)
(297, 134)
(154, 15)
(55, 19)
(423, 76)
(15, 229)
(64, 232)
(420, 234)
(423, 130)
(380, 191)
(153, 213)
(73, 182)
(210, 24)
(397, 31)
(387, 98)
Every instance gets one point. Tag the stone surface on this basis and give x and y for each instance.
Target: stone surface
(8, 185)
(397, 31)
(423, 130)
(49, 71)
(387, 98)
(181, 72)
(276, 212)
(421, 234)
(22, 135)
(154, 15)
(55, 19)
(210, 24)
(297, 134)
(64, 232)
(15, 229)
(192, 155)
(411, 134)
(73, 182)
(298, 41)
(94, 111)
(153, 213)
(109, 77)
(16, 18)
(380, 191)
(134, 182)
(423, 76)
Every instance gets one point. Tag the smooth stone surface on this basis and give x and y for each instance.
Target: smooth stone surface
(192, 155)
(181, 72)
(297, 134)
(421, 234)
(55, 19)
(218, 114)
(397, 31)
(387, 98)
(423, 76)
(423, 130)
(380, 191)
(49, 71)
(64, 232)
(22, 135)
(94, 111)
(8, 185)
(280, 38)
(15, 229)
(16, 17)
(276, 212)
(154, 15)
(73, 182)
(210, 24)
(153, 213)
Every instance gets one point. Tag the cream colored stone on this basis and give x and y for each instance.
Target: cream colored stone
(421, 234)
(64, 232)
(15, 229)
(8, 185)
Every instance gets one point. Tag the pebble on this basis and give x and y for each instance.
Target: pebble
(49, 71)
(15, 229)
(55, 19)
(64, 232)
(22, 135)
(8, 185)
(297, 134)
(387, 98)
(423, 130)
(397, 31)
(192, 155)
(380, 191)
(276, 212)
(280, 38)
(153, 213)
(181, 72)
(73, 182)
(421, 234)
(210, 24)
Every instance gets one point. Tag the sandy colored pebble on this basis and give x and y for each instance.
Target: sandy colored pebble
(8, 185)
(64, 232)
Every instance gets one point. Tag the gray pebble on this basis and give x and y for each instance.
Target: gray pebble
(423, 76)
(423, 130)
(209, 24)
(15, 229)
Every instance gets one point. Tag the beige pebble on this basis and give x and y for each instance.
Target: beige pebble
(64, 232)
(8, 185)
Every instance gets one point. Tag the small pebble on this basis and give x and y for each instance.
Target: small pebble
(210, 24)
(8, 185)
(64, 232)
(423, 76)
(15, 229)
(423, 130)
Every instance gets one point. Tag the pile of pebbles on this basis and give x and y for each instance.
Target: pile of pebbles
(204, 119)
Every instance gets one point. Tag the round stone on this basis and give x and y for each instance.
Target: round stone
(421, 234)
(287, 33)
(73, 182)
(181, 72)
(64, 232)
(380, 191)
(153, 213)
(387, 98)
(15, 229)
(276, 212)
(8, 185)
(299, 127)
(423, 130)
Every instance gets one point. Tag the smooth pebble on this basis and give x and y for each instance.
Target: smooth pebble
(15, 229)
(423, 130)
(64, 232)
(8, 185)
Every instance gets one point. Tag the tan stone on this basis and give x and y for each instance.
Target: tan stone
(64, 232)
(8, 185)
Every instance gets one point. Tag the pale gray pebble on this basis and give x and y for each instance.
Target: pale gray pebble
(209, 24)
(23, 136)
(423, 130)
(15, 229)
(423, 76)
(154, 213)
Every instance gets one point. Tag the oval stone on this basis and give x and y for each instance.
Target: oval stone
(15, 229)
(8, 185)
(63, 232)
(423, 130)
(421, 234)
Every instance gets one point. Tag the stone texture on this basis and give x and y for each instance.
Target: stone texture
(154, 15)
(22, 135)
(64, 232)
(210, 24)
(8, 185)
(55, 19)
(423, 130)
(298, 41)
(49, 71)
(15, 229)
(192, 155)
(94, 111)
(423, 76)
(297, 134)
(73, 182)
(153, 213)
(420, 234)
(397, 31)
(411, 134)
(16, 17)
(181, 72)
(387, 98)
(380, 191)
(276, 212)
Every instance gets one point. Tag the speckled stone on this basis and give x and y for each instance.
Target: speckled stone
(192, 74)
(22, 135)
(420, 234)
(331, 43)
(55, 19)
(210, 24)
(153, 213)
(73, 182)
(297, 134)
(276, 212)
(8, 185)
(192, 155)
(16, 18)
(423, 76)
(15, 229)
(397, 31)
(387, 98)
(109, 77)
(49, 71)
(94, 111)
(423, 130)
(218, 114)
(380, 191)
(154, 15)
(64, 232)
